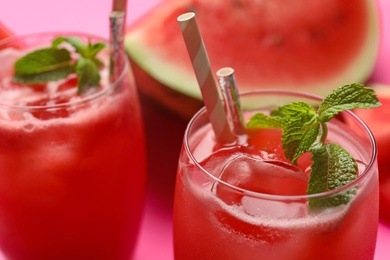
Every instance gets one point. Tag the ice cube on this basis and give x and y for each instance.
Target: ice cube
(257, 175)
(250, 173)
(216, 163)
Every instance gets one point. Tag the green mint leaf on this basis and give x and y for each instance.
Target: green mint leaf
(85, 50)
(43, 65)
(76, 42)
(298, 136)
(44, 77)
(347, 97)
(97, 61)
(260, 120)
(332, 167)
(88, 74)
(295, 111)
(301, 128)
(95, 48)
(55, 63)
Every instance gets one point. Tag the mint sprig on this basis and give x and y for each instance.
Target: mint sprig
(55, 62)
(305, 130)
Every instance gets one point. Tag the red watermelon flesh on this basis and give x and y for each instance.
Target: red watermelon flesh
(4, 32)
(302, 45)
(378, 120)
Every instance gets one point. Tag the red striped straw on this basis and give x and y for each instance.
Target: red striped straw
(204, 76)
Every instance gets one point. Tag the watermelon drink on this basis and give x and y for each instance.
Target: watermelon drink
(247, 201)
(72, 166)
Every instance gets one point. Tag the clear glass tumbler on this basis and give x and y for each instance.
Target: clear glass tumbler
(236, 202)
(72, 166)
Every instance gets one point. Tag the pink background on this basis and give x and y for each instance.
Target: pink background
(26, 16)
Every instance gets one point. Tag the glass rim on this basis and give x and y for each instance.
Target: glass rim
(84, 99)
(348, 186)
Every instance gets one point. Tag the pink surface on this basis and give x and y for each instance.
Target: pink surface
(24, 16)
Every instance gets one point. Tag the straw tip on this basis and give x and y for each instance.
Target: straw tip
(119, 5)
(224, 72)
(186, 16)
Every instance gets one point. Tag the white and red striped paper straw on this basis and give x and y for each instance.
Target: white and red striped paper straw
(204, 76)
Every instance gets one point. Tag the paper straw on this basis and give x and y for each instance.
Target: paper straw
(229, 91)
(117, 24)
(117, 32)
(119, 5)
(204, 76)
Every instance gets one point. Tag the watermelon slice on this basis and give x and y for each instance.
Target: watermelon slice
(4, 32)
(302, 45)
(378, 120)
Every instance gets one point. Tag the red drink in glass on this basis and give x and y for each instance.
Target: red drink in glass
(246, 201)
(72, 167)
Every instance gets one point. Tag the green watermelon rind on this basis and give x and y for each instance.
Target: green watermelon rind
(184, 81)
(167, 74)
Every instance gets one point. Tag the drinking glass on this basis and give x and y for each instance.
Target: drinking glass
(232, 204)
(72, 166)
